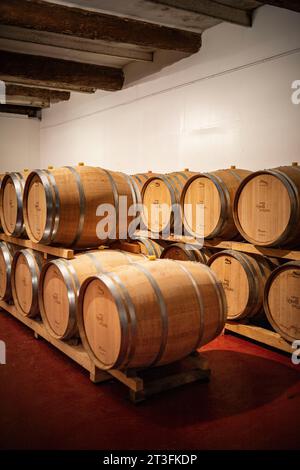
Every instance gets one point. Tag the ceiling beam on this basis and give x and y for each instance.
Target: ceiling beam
(58, 74)
(43, 16)
(24, 47)
(211, 8)
(53, 95)
(99, 48)
(288, 4)
(35, 97)
(22, 110)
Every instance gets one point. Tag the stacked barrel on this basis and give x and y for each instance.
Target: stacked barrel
(267, 214)
(262, 208)
(123, 304)
(148, 301)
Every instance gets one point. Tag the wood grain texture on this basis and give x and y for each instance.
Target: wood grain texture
(243, 278)
(44, 16)
(17, 94)
(1, 178)
(218, 243)
(212, 9)
(33, 112)
(141, 178)
(56, 251)
(282, 300)
(177, 307)
(61, 206)
(141, 384)
(161, 197)
(26, 268)
(60, 283)
(186, 252)
(267, 207)
(75, 352)
(261, 335)
(215, 193)
(11, 203)
(26, 69)
(7, 252)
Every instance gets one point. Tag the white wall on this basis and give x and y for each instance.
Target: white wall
(19, 143)
(228, 104)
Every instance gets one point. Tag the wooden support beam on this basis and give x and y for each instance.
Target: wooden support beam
(22, 110)
(288, 4)
(53, 95)
(57, 73)
(36, 97)
(72, 43)
(24, 47)
(44, 16)
(212, 9)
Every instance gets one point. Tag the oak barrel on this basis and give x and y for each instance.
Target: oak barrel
(267, 207)
(215, 191)
(60, 282)
(141, 178)
(161, 194)
(11, 203)
(177, 307)
(61, 206)
(150, 247)
(186, 252)
(7, 251)
(26, 268)
(243, 278)
(282, 300)
(1, 178)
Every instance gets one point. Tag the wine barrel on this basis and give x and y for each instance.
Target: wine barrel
(282, 300)
(160, 194)
(141, 178)
(1, 178)
(11, 203)
(59, 285)
(178, 307)
(243, 278)
(186, 252)
(7, 251)
(215, 191)
(26, 268)
(149, 247)
(267, 207)
(61, 205)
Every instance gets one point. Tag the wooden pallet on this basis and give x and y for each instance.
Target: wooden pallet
(141, 383)
(232, 245)
(261, 335)
(148, 382)
(70, 349)
(56, 251)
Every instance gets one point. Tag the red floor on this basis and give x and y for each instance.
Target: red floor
(48, 402)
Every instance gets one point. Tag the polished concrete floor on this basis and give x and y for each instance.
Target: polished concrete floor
(47, 402)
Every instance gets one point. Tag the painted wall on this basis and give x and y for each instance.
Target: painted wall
(228, 104)
(19, 143)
